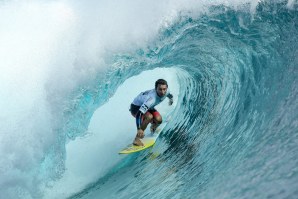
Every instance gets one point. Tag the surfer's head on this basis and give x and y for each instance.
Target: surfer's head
(161, 87)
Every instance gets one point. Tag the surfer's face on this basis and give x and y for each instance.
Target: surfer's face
(161, 90)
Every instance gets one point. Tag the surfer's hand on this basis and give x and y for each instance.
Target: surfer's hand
(140, 133)
(170, 102)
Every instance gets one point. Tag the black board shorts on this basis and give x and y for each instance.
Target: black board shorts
(134, 110)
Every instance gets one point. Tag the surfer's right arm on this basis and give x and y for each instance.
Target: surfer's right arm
(140, 132)
(139, 116)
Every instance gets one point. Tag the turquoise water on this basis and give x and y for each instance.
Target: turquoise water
(233, 132)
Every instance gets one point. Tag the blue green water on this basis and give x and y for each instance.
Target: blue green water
(234, 131)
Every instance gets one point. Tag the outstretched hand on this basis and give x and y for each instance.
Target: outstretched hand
(170, 102)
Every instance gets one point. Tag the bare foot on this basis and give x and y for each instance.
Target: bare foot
(138, 142)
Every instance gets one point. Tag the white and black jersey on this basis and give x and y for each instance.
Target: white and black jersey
(146, 101)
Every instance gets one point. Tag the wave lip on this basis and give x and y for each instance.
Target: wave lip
(238, 98)
(235, 121)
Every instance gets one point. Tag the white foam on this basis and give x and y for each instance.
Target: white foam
(27, 39)
(291, 4)
(48, 49)
(111, 128)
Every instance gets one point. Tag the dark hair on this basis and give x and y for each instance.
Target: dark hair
(161, 81)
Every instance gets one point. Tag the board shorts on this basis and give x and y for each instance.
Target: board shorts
(134, 110)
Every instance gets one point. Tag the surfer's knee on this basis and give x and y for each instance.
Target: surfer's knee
(158, 119)
(148, 116)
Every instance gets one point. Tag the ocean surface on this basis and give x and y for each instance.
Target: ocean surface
(70, 69)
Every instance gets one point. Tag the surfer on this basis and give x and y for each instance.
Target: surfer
(142, 108)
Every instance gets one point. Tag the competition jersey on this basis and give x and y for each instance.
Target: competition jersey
(149, 99)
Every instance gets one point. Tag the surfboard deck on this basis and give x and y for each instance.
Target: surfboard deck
(148, 141)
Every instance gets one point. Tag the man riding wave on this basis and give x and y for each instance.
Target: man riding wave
(142, 108)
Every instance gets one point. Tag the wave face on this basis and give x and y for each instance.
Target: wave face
(234, 130)
(233, 133)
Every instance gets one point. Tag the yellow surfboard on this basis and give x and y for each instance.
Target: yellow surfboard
(148, 141)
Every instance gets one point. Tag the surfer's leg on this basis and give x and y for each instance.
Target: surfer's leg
(147, 118)
(137, 141)
(157, 120)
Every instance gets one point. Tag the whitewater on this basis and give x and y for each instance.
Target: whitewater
(70, 69)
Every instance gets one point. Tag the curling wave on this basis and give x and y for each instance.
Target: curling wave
(233, 133)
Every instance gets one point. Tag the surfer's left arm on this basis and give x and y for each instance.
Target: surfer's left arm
(170, 96)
